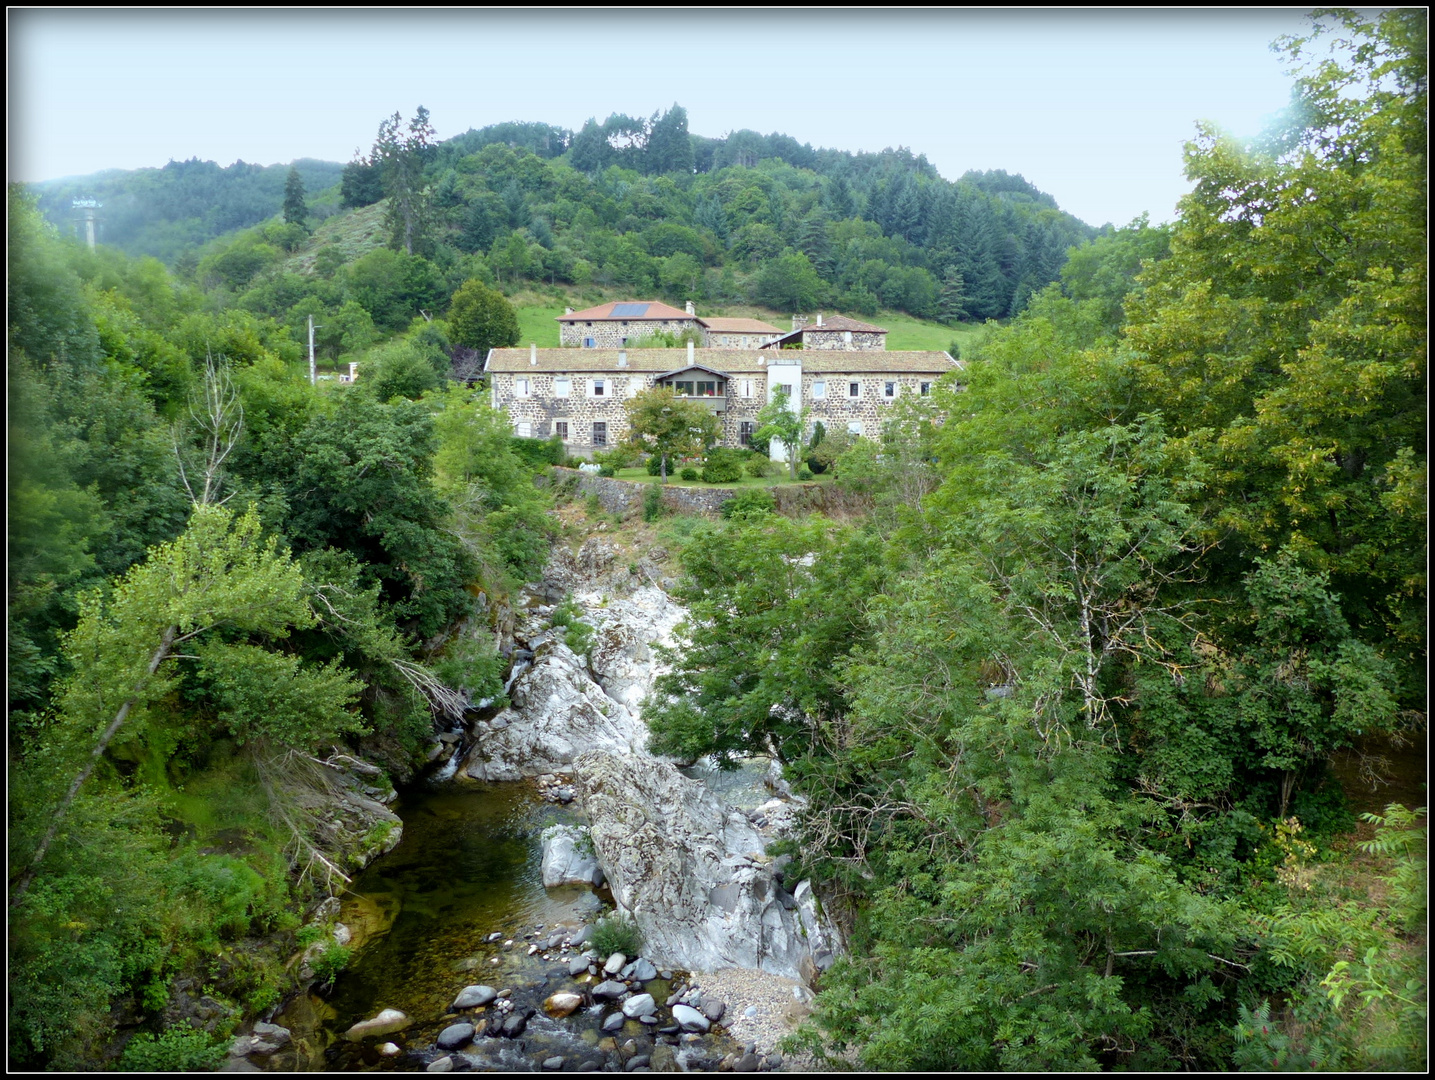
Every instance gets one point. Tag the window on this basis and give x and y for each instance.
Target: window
(562, 387)
(744, 387)
(520, 387)
(560, 428)
(599, 389)
(819, 391)
(706, 389)
(889, 389)
(590, 343)
(786, 388)
(525, 429)
(926, 388)
(854, 427)
(600, 433)
(684, 388)
(744, 433)
(854, 389)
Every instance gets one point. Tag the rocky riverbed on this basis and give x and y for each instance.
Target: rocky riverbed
(471, 936)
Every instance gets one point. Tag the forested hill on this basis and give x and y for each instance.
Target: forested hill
(645, 205)
(165, 212)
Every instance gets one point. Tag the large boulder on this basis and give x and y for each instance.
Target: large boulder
(568, 857)
(558, 712)
(627, 629)
(689, 869)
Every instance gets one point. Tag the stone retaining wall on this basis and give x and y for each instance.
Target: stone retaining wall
(625, 497)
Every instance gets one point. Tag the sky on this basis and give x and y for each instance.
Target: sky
(1091, 106)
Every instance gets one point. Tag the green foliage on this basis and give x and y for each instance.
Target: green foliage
(774, 606)
(176, 1049)
(481, 319)
(776, 420)
(295, 209)
(473, 666)
(668, 426)
(577, 634)
(615, 934)
(689, 474)
(652, 503)
(722, 466)
(751, 502)
(261, 694)
(329, 963)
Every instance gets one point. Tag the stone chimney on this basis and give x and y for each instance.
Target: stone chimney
(690, 309)
(533, 355)
(568, 311)
(622, 357)
(690, 352)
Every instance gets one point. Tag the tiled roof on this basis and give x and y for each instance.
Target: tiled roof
(731, 361)
(739, 326)
(629, 311)
(835, 324)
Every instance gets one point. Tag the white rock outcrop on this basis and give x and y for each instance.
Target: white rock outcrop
(690, 870)
(568, 857)
(558, 712)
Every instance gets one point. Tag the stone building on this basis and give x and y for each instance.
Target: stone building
(838, 332)
(723, 333)
(612, 326)
(579, 394)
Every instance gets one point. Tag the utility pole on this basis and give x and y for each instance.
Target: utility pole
(313, 377)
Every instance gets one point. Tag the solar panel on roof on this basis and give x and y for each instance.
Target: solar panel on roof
(629, 311)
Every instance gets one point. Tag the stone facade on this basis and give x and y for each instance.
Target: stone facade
(838, 333)
(541, 389)
(726, 339)
(614, 333)
(843, 339)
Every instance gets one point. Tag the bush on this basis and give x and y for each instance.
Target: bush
(655, 465)
(749, 503)
(177, 1049)
(620, 457)
(652, 503)
(689, 474)
(577, 634)
(327, 965)
(758, 467)
(607, 470)
(722, 466)
(804, 473)
(613, 933)
(537, 453)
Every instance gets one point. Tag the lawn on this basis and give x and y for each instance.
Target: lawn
(537, 325)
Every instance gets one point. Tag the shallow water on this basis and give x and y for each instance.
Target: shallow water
(468, 866)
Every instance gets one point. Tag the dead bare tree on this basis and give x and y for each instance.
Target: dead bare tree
(217, 413)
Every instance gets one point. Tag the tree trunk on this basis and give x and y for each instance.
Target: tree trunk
(664, 468)
(160, 655)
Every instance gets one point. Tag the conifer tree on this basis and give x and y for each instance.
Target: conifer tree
(295, 209)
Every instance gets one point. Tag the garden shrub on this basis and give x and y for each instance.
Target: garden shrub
(652, 503)
(689, 474)
(722, 466)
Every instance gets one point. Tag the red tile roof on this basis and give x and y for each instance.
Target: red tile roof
(656, 309)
